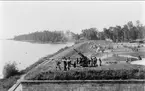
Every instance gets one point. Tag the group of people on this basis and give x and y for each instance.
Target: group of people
(67, 63)
(94, 62)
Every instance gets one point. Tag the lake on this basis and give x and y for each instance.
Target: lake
(25, 53)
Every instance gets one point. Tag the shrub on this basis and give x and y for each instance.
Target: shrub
(5, 84)
(10, 69)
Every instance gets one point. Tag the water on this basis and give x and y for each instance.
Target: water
(25, 53)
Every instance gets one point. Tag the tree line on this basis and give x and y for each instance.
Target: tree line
(44, 36)
(126, 33)
(118, 33)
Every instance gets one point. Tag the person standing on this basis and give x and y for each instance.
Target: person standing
(74, 64)
(100, 62)
(64, 63)
(77, 61)
(139, 57)
(89, 62)
(58, 63)
(92, 62)
(68, 63)
(80, 61)
(95, 61)
(127, 60)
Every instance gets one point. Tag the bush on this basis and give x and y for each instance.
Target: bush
(10, 69)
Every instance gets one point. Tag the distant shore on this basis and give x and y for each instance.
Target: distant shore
(40, 42)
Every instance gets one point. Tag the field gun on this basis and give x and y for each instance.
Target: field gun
(85, 60)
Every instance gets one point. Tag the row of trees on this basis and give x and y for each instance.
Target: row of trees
(126, 33)
(118, 33)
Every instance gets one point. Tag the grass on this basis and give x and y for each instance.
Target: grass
(43, 59)
(119, 71)
(91, 74)
(5, 84)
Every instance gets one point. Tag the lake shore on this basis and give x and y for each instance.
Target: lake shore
(39, 42)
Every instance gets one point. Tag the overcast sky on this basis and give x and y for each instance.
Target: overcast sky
(25, 17)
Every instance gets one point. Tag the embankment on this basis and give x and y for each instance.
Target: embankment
(82, 85)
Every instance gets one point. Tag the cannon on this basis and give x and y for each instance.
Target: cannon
(85, 60)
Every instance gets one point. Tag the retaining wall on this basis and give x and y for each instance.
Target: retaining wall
(87, 85)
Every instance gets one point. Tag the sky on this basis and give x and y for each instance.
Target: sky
(22, 17)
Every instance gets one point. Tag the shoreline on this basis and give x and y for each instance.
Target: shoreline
(39, 42)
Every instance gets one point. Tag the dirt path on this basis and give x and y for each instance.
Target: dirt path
(140, 62)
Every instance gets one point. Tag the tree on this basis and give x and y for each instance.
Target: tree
(130, 25)
(10, 69)
(106, 32)
(91, 33)
(140, 30)
(101, 36)
(125, 33)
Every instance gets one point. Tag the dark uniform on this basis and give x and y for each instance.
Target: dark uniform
(95, 61)
(100, 62)
(58, 65)
(77, 61)
(139, 57)
(92, 62)
(68, 63)
(74, 64)
(65, 64)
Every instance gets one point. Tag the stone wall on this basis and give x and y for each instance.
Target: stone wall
(83, 86)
